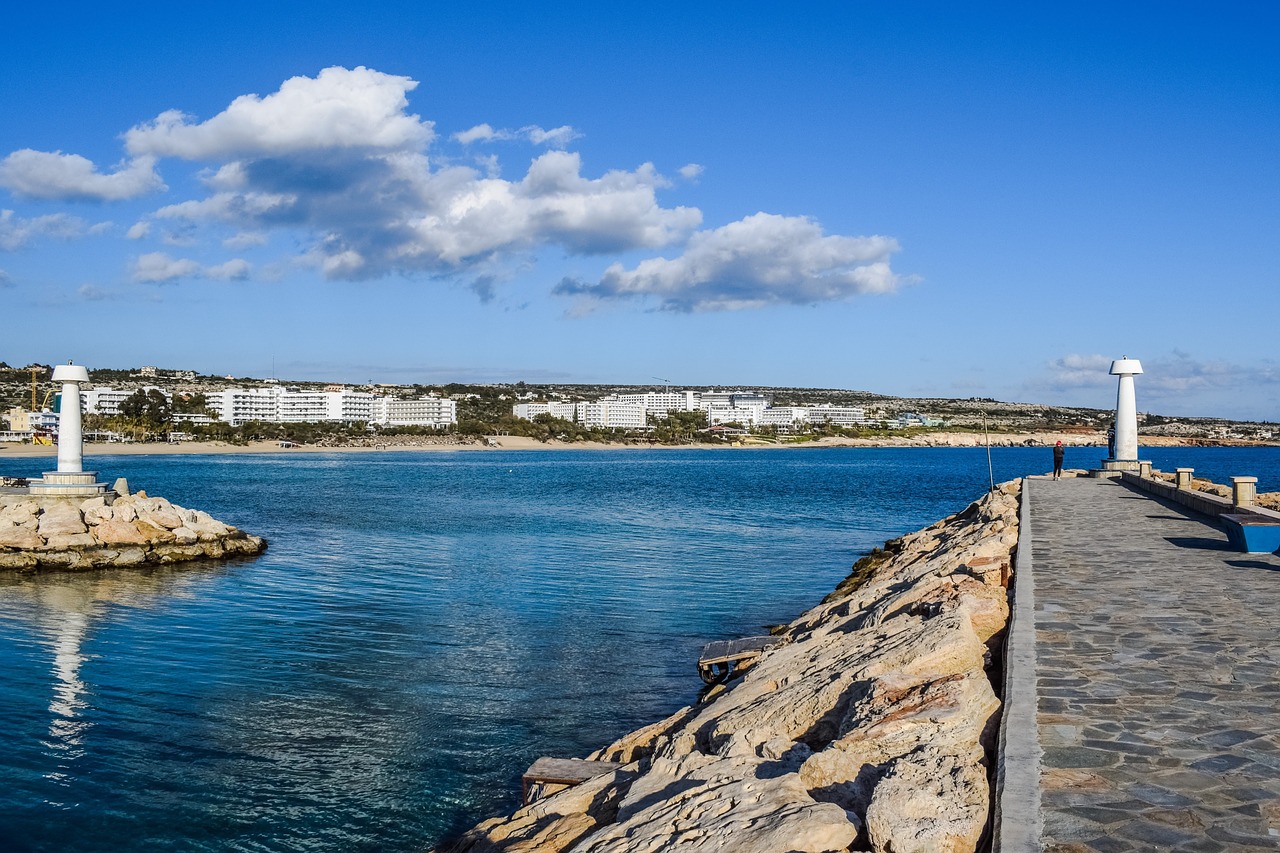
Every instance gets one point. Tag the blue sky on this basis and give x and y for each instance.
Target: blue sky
(912, 198)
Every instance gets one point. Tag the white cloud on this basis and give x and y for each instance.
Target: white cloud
(1080, 371)
(70, 177)
(339, 163)
(18, 233)
(6, 280)
(557, 137)
(385, 213)
(157, 267)
(764, 259)
(245, 240)
(93, 293)
(479, 133)
(340, 108)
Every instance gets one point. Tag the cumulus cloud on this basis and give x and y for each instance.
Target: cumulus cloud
(339, 163)
(158, 267)
(391, 213)
(18, 233)
(479, 133)
(764, 259)
(245, 240)
(340, 108)
(557, 137)
(1080, 371)
(70, 177)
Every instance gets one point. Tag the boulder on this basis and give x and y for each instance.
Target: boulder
(69, 541)
(930, 802)
(23, 537)
(116, 532)
(151, 533)
(706, 804)
(60, 518)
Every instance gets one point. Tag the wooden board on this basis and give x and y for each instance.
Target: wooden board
(567, 771)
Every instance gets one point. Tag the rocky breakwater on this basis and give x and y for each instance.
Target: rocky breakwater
(111, 530)
(872, 726)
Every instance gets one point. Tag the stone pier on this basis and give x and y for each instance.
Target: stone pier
(1151, 688)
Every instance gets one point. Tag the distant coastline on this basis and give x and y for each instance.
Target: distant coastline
(505, 442)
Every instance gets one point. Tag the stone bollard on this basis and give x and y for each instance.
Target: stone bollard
(1244, 490)
(1182, 477)
(1144, 470)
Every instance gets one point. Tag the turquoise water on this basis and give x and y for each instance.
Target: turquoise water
(423, 626)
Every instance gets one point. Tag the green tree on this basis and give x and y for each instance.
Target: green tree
(146, 408)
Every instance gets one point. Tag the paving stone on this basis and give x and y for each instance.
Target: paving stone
(1158, 687)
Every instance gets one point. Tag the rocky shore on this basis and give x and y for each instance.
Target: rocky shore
(870, 726)
(111, 530)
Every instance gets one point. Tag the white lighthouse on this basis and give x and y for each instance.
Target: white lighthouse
(1124, 455)
(70, 479)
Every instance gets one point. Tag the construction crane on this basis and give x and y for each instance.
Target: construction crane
(668, 381)
(34, 372)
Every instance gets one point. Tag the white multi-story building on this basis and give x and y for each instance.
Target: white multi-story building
(658, 403)
(236, 406)
(785, 418)
(740, 407)
(611, 413)
(348, 406)
(841, 416)
(429, 411)
(296, 407)
(556, 408)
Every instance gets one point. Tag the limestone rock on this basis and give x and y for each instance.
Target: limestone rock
(21, 537)
(19, 560)
(60, 518)
(67, 541)
(707, 805)
(165, 517)
(116, 532)
(111, 530)
(929, 802)
(151, 533)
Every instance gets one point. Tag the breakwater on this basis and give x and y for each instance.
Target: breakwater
(111, 531)
(871, 726)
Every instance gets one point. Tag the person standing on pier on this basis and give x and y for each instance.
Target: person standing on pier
(1058, 452)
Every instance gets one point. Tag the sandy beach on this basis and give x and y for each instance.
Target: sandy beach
(940, 439)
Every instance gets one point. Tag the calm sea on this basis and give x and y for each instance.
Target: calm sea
(423, 626)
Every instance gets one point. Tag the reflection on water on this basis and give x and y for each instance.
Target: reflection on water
(62, 609)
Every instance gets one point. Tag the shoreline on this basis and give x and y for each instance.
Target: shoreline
(939, 439)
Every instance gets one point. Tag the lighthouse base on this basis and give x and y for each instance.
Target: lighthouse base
(71, 484)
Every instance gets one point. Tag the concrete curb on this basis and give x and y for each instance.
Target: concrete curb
(1017, 819)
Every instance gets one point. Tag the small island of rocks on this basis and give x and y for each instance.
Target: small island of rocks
(68, 520)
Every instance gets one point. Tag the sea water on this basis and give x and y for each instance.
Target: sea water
(423, 626)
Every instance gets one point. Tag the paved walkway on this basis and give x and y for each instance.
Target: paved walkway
(1158, 664)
